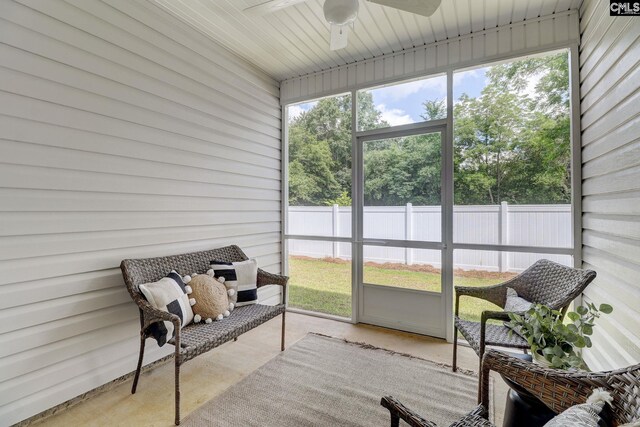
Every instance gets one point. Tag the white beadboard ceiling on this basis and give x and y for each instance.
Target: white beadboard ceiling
(295, 41)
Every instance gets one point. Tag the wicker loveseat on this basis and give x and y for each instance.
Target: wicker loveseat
(195, 339)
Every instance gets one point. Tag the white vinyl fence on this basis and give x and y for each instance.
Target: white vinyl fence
(522, 225)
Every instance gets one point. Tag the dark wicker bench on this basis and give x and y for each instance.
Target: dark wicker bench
(196, 339)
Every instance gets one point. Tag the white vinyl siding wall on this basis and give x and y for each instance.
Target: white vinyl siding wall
(494, 44)
(610, 104)
(123, 133)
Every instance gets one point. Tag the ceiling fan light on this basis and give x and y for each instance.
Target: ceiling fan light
(340, 12)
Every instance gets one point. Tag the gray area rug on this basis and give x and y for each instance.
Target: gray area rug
(323, 381)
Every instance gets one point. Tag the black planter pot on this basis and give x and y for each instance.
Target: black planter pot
(523, 409)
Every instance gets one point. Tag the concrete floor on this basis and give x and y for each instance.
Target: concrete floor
(210, 374)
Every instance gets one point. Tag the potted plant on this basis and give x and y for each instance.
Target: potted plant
(553, 342)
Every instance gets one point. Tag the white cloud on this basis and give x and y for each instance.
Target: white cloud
(394, 116)
(469, 74)
(438, 85)
(295, 110)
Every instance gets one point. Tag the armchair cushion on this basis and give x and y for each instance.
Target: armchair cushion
(515, 303)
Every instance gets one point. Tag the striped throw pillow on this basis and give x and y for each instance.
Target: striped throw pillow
(242, 276)
(168, 294)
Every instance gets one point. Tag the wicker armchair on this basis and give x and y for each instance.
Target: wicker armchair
(196, 339)
(555, 388)
(545, 282)
(560, 389)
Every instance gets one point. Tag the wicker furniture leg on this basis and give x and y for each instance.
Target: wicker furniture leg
(483, 323)
(395, 420)
(177, 378)
(455, 336)
(455, 349)
(139, 368)
(282, 338)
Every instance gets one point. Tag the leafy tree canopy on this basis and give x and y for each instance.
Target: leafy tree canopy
(511, 144)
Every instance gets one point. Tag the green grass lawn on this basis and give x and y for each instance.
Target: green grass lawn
(324, 285)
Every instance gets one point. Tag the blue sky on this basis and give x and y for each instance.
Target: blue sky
(402, 103)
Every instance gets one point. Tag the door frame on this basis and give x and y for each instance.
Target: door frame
(357, 208)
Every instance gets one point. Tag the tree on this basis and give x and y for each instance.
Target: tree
(487, 132)
(403, 170)
(434, 109)
(512, 143)
(320, 149)
(311, 178)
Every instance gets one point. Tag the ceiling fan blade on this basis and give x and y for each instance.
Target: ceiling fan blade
(270, 6)
(420, 7)
(339, 35)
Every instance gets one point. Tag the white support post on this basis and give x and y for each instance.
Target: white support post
(408, 232)
(504, 236)
(335, 220)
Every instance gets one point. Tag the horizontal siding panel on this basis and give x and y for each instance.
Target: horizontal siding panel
(18, 294)
(124, 133)
(33, 314)
(626, 110)
(76, 28)
(623, 248)
(21, 340)
(617, 138)
(56, 244)
(83, 364)
(47, 200)
(16, 106)
(37, 132)
(228, 65)
(25, 154)
(620, 339)
(610, 95)
(616, 291)
(626, 180)
(111, 368)
(44, 90)
(487, 45)
(619, 65)
(33, 177)
(623, 226)
(23, 363)
(58, 351)
(615, 204)
(29, 269)
(158, 97)
(33, 224)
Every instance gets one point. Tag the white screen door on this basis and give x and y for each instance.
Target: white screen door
(400, 177)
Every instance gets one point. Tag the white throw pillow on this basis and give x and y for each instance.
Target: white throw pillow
(584, 415)
(243, 274)
(169, 294)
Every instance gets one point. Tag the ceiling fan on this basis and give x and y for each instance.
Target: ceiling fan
(342, 13)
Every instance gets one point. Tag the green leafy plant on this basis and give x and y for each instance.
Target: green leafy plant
(559, 343)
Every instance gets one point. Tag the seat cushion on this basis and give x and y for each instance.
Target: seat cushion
(494, 335)
(201, 337)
